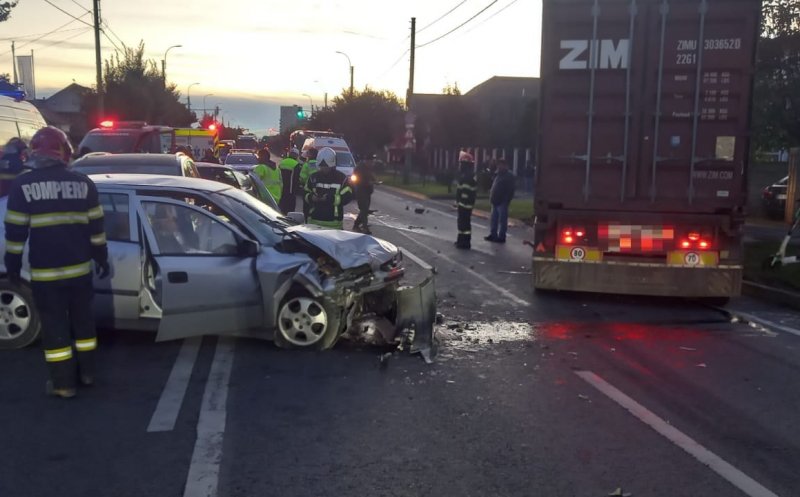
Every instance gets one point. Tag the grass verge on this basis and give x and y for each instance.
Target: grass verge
(786, 277)
(521, 209)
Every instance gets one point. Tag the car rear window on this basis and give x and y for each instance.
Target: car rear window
(115, 142)
(246, 159)
(126, 169)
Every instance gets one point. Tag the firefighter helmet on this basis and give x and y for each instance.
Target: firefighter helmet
(326, 157)
(51, 142)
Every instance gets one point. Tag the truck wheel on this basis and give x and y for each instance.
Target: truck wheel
(19, 319)
(307, 323)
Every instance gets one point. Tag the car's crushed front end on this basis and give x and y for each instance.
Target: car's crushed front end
(361, 277)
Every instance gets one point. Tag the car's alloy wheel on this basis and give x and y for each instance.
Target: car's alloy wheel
(19, 321)
(302, 321)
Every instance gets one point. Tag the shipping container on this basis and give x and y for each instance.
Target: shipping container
(645, 126)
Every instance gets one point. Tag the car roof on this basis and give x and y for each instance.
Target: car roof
(158, 181)
(129, 159)
(212, 165)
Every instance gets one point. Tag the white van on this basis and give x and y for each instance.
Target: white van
(19, 119)
(344, 158)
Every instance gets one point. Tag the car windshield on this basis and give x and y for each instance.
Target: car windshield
(114, 142)
(241, 159)
(345, 159)
(267, 223)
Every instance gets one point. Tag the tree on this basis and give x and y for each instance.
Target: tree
(369, 119)
(134, 90)
(5, 9)
(451, 89)
(776, 93)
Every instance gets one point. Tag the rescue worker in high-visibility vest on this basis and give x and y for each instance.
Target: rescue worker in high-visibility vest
(327, 192)
(12, 163)
(465, 201)
(290, 172)
(309, 167)
(57, 212)
(270, 175)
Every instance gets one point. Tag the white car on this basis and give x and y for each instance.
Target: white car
(193, 257)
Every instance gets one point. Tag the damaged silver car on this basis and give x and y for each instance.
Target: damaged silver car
(194, 257)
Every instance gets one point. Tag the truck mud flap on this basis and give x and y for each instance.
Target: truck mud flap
(416, 310)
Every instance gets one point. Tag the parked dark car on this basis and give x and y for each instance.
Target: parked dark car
(773, 199)
(161, 164)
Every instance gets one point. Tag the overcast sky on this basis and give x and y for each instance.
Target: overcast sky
(255, 55)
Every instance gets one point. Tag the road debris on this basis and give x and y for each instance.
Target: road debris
(701, 365)
(384, 361)
(584, 397)
(419, 209)
(619, 493)
(690, 349)
(439, 318)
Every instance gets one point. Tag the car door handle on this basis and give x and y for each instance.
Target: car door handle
(178, 277)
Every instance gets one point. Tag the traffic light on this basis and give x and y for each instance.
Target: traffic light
(300, 113)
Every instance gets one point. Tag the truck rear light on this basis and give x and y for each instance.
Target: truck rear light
(580, 232)
(694, 236)
(686, 244)
(703, 244)
(566, 236)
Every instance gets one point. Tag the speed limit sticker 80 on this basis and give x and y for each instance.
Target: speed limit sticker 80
(577, 254)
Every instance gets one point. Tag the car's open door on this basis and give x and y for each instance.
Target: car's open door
(199, 270)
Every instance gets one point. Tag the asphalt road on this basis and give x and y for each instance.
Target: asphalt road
(531, 395)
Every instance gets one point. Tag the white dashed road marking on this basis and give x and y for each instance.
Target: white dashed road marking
(734, 476)
(169, 405)
(203, 478)
(424, 265)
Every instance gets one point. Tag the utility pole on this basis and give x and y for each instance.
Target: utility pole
(410, 146)
(14, 63)
(351, 81)
(100, 93)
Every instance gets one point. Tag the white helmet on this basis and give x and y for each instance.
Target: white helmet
(326, 157)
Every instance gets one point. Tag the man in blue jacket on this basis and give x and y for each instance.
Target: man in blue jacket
(501, 195)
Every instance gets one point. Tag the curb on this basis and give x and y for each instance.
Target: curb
(771, 294)
(512, 222)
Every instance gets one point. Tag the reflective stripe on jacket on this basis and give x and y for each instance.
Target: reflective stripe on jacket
(58, 213)
(333, 192)
(466, 191)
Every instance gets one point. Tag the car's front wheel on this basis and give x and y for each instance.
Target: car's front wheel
(306, 322)
(19, 320)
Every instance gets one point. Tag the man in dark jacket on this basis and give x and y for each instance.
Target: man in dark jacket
(290, 169)
(11, 163)
(500, 196)
(364, 182)
(58, 213)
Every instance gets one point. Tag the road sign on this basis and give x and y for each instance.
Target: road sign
(691, 258)
(577, 254)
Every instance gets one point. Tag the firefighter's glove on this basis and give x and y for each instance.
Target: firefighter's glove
(102, 269)
(15, 279)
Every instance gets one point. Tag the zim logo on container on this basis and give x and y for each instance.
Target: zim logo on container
(594, 54)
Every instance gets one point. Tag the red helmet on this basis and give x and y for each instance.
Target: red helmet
(51, 142)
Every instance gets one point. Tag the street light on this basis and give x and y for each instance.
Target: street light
(164, 63)
(205, 109)
(310, 101)
(189, 96)
(351, 71)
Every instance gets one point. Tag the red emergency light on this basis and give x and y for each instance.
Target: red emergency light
(107, 124)
(212, 127)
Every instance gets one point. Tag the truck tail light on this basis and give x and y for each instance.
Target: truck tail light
(686, 244)
(703, 244)
(693, 236)
(566, 236)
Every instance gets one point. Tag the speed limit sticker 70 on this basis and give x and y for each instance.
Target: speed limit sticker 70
(577, 254)
(692, 259)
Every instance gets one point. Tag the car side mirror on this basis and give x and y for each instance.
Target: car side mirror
(248, 248)
(297, 217)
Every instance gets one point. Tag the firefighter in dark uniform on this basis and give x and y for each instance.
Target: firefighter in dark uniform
(327, 192)
(57, 211)
(364, 186)
(11, 163)
(465, 201)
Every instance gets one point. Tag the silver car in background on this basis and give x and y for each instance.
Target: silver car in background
(194, 257)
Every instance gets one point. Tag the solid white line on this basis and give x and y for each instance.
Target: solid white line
(203, 477)
(740, 480)
(763, 322)
(433, 209)
(169, 405)
(420, 262)
(431, 234)
(497, 288)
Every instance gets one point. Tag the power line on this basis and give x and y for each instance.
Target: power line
(490, 17)
(110, 40)
(20, 37)
(42, 36)
(67, 13)
(115, 34)
(442, 16)
(85, 30)
(394, 64)
(459, 26)
(81, 6)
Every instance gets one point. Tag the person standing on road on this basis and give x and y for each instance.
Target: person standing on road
(309, 167)
(59, 211)
(364, 185)
(465, 200)
(270, 175)
(500, 196)
(327, 192)
(12, 163)
(290, 172)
